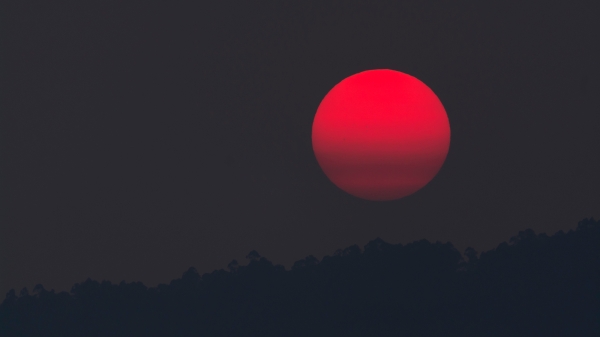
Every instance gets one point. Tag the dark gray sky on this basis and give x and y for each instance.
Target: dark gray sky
(138, 140)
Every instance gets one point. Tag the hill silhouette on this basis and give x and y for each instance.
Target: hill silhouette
(533, 285)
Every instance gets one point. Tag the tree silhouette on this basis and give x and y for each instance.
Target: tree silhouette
(534, 285)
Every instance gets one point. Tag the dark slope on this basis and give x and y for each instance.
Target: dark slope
(535, 285)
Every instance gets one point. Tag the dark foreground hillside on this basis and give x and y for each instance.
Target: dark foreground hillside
(535, 285)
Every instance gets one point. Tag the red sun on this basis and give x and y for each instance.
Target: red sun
(381, 135)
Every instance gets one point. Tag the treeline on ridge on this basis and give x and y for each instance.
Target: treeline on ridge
(534, 285)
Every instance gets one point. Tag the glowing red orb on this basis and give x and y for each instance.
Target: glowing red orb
(381, 135)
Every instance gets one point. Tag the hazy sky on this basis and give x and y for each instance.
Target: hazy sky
(139, 140)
